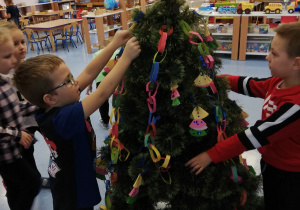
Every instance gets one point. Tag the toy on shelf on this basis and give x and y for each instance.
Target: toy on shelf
(227, 10)
(205, 7)
(294, 7)
(273, 7)
(244, 7)
(111, 4)
(263, 28)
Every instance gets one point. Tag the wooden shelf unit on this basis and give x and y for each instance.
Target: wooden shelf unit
(100, 30)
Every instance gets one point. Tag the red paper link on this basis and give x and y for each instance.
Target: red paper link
(153, 131)
(116, 143)
(164, 27)
(162, 42)
(115, 130)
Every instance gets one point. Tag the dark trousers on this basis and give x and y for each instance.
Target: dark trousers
(22, 182)
(281, 188)
(104, 109)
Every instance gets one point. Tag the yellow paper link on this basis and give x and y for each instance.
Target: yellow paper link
(244, 114)
(128, 153)
(166, 162)
(241, 159)
(111, 142)
(174, 86)
(158, 157)
(161, 59)
(102, 208)
(138, 181)
(166, 181)
(133, 25)
(113, 113)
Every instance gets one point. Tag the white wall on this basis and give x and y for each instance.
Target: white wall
(28, 2)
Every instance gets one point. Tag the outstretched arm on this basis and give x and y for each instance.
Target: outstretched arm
(97, 64)
(199, 162)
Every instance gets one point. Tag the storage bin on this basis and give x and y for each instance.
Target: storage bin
(258, 46)
(224, 45)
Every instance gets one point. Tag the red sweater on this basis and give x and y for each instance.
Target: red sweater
(276, 135)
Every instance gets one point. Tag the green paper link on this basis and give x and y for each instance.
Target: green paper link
(131, 200)
(114, 155)
(205, 49)
(163, 57)
(201, 50)
(116, 101)
(107, 201)
(185, 27)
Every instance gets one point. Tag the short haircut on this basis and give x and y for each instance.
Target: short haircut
(5, 35)
(32, 78)
(10, 25)
(9, 1)
(290, 32)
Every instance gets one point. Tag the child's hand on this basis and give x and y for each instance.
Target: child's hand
(89, 89)
(132, 49)
(26, 140)
(199, 162)
(121, 37)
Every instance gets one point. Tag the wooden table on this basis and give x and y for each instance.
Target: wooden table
(54, 25)
(46, 15)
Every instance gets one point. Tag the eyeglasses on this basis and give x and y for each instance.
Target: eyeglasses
(69, 80)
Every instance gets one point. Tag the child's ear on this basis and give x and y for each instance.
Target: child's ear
(297, 63)
(49, 99)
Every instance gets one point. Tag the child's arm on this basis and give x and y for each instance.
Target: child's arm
(92, 102)
(89, 89)
(96, 65)
(199, 162)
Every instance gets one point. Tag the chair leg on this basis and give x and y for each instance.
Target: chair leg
(47, 45)
(65, 42)
(38, 49)
(72, 42)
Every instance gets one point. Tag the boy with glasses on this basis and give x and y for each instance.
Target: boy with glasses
(47, 82)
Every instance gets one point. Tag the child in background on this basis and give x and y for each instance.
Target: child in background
(47, 82)
(104, 109)
(12, 12)
(29, 122)
(21, 180)
(276, 135)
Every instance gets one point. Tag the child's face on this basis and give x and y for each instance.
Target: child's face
(7, 58)
(66, 92)
(20, 44)
(280, 64)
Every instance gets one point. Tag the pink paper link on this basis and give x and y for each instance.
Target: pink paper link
(134, 192)
(198, 35)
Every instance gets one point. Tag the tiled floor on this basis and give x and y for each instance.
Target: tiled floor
(78, 58)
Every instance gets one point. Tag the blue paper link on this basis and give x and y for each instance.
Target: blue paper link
(150, 117)
(154, 72)
(146, 170)
(155, 118)
(192, 100)
(107, 185)
(234, 173)
(142, 162)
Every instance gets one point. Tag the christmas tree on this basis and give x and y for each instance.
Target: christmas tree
(169, 108)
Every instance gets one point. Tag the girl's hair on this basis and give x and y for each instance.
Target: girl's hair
(5, 35)
(10, 25)
(290, 32)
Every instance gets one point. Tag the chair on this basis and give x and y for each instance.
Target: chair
(76, 32)
(66, 37)
(35, 40)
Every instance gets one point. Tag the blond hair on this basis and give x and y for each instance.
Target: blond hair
(33, 80)
(5, 35)
(290, 32)
(10, 25)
